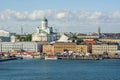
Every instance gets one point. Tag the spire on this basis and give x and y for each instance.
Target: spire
(99, 31)
(21, 30)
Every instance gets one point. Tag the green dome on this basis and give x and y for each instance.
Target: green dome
(44, 19)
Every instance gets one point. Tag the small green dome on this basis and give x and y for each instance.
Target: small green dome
(44, 19)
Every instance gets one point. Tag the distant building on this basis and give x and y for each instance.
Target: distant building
(110, 40)
(82, 49)
(44, 33)
(13, 38)
(48, 49)
(18, 46)
(5, 36)
(4, 33)
(59, 47)
(88, 37)
(104, 48)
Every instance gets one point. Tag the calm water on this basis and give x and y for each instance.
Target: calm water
(36, 69)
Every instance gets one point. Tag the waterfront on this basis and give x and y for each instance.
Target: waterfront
(35, 69)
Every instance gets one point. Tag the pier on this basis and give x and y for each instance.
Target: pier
(8, 59)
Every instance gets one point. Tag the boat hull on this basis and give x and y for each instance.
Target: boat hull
(51, 58)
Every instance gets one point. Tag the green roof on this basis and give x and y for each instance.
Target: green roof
(44, 19)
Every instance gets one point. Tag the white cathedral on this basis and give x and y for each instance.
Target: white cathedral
(44, 33)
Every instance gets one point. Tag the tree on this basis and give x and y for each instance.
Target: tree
(28, 37)
(79, 41)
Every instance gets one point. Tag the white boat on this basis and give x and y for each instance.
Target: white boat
(24, 56)
(51, 57)
(27, 56)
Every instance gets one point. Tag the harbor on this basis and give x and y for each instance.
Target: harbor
(36, 69)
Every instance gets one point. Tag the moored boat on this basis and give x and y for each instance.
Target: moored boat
(51, 57)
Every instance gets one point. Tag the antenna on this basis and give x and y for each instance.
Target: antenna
(21, 30)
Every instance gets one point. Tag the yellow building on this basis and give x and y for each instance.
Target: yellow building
(104, 48)
(59, 47)
(81, 49)
(48, 49)
(110, 40)
(88, 37)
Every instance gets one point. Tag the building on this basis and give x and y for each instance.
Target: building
(89, 44)
(88, 37)
(5, 33)
(18, 46)
(44, 33)
(60, 47)
(5, 36)
(104, 48)
(82, 49)
(110, 40)
(48, 49)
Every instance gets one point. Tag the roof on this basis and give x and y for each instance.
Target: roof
(63, 38)
(4, 31)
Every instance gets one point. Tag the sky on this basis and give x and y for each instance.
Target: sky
(83, 16)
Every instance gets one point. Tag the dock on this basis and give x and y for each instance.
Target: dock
(8, 59)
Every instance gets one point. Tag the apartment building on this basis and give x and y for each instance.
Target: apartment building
(104, 48)
(82, 49)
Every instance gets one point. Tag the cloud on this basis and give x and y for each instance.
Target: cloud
(115, 15)
(96, 15)
(66, 14)
(63, 18)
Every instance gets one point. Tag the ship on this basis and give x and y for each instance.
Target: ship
(51, 57)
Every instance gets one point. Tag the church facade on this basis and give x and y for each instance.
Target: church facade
(44, 33)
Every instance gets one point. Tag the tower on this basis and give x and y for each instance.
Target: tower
(99, 31)
(38, 30)
(44, 23)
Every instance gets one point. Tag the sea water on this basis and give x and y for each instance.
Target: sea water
(36, 69)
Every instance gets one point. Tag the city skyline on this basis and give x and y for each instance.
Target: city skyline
(65, 16)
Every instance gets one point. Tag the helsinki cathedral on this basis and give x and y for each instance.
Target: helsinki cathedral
(44, 32)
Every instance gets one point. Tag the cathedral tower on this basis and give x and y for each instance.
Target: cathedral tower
(44, 23)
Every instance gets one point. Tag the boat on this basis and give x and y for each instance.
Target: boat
(51, 57)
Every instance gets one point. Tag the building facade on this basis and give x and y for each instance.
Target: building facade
(88, 37)
(81, 49)
(18, 46)
(44, 33)
(110, 40)
(48, 49)
(104, 48)
(60, 47)
(5, 36)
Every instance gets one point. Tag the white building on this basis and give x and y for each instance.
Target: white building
(13, 38)
(26, 46)
(5, 35)
(44, 33)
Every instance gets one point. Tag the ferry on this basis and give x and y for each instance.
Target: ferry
(51, 57)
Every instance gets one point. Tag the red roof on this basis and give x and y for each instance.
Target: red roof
(90, 42)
